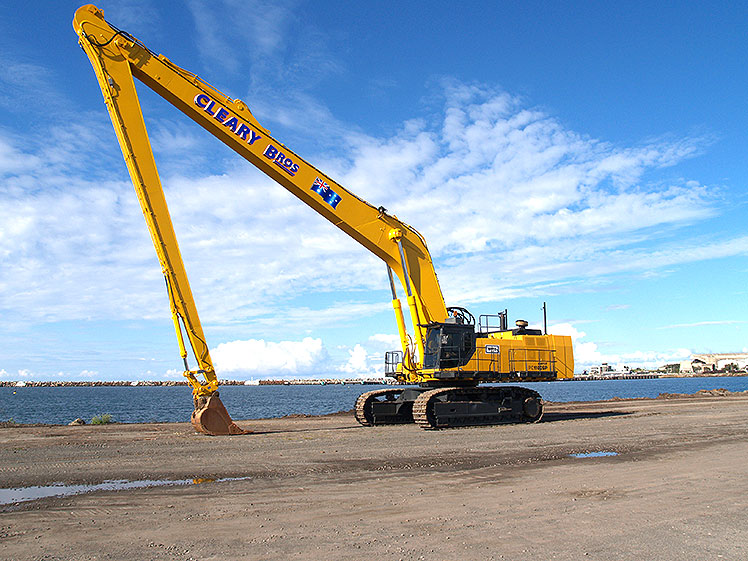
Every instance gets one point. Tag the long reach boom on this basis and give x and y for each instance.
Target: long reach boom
(426, 359)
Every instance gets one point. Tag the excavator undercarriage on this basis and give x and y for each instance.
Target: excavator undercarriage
(447, 407)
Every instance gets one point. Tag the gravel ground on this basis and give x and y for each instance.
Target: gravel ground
(327, 488)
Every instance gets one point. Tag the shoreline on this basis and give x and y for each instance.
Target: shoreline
(700, 394)
(326, 381)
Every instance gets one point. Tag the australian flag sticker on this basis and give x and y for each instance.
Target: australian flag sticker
(327, 194)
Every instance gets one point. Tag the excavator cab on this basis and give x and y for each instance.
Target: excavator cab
(448, 345)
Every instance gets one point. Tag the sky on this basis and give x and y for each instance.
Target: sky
(590, 156)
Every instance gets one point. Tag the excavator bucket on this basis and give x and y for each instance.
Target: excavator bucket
(211, 417)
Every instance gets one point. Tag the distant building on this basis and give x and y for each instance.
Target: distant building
(712, 362)
(606, 369)
(694, 366)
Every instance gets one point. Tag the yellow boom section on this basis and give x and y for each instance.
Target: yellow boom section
(117, 58)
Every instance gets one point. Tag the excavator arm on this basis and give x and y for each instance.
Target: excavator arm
(118, 58)
(115, 76)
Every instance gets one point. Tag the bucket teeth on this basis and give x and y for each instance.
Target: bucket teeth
(211, 417)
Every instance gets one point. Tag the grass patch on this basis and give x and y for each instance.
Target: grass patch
(103, 419)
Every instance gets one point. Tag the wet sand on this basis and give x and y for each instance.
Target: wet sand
(327, 488)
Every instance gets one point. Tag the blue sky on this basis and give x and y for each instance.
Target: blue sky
(590, 155)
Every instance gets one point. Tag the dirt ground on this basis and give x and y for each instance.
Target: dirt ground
(325, 488)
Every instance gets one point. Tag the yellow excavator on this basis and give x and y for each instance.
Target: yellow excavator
(443, 368)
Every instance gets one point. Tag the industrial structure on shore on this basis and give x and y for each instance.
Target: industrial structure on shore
(714, 362)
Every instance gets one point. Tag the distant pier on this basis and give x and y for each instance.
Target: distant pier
(615, 376)
(344, 382)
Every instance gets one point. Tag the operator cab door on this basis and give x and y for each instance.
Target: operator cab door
(448, 345)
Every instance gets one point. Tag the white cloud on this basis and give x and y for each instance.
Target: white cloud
(511, 203)
(253, 32)
(139, 17)
(357, 361)
(264, 358)
(587, 353)
(14, 160)
(497, 176)
(386, 341)
(268, 44)
(21, 373)
(27, 88)
(308, 358)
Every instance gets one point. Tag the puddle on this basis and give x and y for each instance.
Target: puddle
(593, 454)
(23, 494)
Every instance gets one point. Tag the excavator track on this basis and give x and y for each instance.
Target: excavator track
(369, 405)
(462, 407)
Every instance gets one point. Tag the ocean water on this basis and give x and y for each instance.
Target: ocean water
(142, 404)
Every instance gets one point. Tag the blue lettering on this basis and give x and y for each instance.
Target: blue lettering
(242, 132)
(280, 159)
(201, 100)
(221, 115)
(252, 137)
(231, 124)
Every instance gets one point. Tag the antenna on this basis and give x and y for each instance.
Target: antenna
(545, 320)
